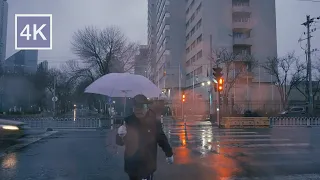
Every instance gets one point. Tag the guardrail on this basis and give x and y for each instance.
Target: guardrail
(294, 121)
(61, 123)
(245, 122)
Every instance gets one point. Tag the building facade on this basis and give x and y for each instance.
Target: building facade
(141, 61)
(3, 28)
(23, 61)
(152, 22)
(167, 24)
(246, 28)
(44, 65)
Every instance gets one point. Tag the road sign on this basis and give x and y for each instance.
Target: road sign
(33, 31)
(54, 99)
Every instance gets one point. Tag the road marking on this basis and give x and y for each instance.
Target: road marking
(276, 145)
(278, 152)
(74, 129)
(289, 177)
(213, 133)
(252, 140)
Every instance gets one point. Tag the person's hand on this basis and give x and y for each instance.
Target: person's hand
(122, 131)
(170, 160)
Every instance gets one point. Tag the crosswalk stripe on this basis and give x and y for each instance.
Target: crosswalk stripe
(279, 152)
(290, 177)
(203, 129)
(210, 133)
(229, 141)
(275, 145)
(252, 140)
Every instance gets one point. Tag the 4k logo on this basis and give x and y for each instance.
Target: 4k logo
(33, 31)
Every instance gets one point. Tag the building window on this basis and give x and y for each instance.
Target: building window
(241, 17)
(198, 70)
(193, 45)
(199, 39)
(240, 2)
(198, 8)
(199, 54)
(192, 18)
(193, 59)
(188, 50)
(198, 25)
(193, 30)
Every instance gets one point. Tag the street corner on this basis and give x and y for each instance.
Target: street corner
(24, 142)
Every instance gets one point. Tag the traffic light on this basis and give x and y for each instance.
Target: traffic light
(220, 84)
(217, 73)
(183, 98)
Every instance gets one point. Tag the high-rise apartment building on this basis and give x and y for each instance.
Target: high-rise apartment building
(3, 28)
(166, 22)
(243, 27)
(152, 16)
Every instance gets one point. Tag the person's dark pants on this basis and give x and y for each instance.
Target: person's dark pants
(150, 177)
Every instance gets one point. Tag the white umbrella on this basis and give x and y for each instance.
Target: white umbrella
(123, 85)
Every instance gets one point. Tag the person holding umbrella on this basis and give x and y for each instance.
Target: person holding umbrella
(140, 134)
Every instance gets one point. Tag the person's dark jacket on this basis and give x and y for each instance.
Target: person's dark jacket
(141, 143)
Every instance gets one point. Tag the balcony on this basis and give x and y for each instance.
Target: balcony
(242, 41)
(242, 25)
(241, 8)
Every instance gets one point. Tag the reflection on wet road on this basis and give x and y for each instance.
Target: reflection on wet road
(246, 152)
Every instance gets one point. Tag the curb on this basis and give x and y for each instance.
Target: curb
(31, 141)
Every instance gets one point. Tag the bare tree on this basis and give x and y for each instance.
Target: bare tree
(235, 66)
(103, 51)
(288, 73)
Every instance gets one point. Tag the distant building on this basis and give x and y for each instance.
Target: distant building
(3, 28)
(44, 65)
(141, 61)
(24, 61)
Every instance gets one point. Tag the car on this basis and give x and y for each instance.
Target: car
(12, 130)
(294, 111)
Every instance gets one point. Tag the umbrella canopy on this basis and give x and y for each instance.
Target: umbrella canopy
(124, 85)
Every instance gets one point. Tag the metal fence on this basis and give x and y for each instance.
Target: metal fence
(61, 123)
(294, 121)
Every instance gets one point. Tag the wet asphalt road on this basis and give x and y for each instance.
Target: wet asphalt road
(201, 152)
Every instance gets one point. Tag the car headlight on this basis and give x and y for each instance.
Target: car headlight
(9, 127)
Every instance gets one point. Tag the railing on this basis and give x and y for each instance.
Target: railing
(294, 121)
(61, 123)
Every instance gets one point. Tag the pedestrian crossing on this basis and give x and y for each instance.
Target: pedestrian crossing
(256, 149)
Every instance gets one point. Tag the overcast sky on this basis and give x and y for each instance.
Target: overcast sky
(131, 17)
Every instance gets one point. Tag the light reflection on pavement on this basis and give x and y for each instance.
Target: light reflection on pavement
(245, 152)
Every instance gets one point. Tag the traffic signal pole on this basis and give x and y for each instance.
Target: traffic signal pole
(218, 105)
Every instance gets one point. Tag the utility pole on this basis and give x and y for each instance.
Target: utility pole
(307, 24)
(211, 74)
(54, 96)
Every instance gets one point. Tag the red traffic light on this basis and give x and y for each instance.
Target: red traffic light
(183, 98)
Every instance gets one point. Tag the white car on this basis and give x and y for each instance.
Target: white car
(12, 130)
(294, 110)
